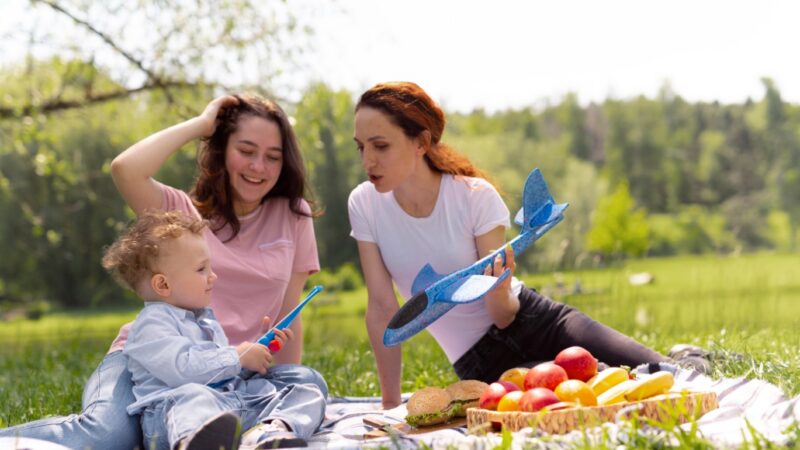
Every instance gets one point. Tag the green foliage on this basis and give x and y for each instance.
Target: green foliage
(692, 230)
(716, 178)
(618, 228)
(345, 278)
(324, 124)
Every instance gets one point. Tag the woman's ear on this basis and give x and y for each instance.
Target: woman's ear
(423, 142)
(160, 284)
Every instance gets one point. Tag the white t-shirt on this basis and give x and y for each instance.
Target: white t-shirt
(466, 208)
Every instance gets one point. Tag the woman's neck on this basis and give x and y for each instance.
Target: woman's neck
(418, 195)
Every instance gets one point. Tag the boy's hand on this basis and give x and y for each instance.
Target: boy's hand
(281, 338)
(254, 356)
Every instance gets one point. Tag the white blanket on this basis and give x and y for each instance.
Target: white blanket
(761, 404)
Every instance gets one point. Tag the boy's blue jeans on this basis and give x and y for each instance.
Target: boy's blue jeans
(104, 423)
(300, 406)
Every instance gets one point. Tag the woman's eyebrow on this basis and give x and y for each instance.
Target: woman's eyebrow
(246, 142)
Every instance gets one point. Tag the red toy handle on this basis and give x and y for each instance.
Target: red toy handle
(274, 346)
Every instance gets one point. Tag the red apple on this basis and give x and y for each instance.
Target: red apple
(546, 375)
(578, 362)
(491, 396)
(537, 398)
(510, 387)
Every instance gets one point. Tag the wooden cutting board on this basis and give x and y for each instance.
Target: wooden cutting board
(383, 428)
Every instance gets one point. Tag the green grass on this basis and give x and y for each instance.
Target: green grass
(748, 305)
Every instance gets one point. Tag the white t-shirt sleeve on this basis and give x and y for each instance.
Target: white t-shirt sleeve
(360, 211)
(487, 208)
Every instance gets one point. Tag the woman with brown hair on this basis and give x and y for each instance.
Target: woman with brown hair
(427, 203)
(251, 187)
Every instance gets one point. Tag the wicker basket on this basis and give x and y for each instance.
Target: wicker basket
(682, 407)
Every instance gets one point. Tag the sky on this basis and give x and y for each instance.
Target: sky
(498, 54)
(513, 54)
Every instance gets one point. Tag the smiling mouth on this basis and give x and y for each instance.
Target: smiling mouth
(252, 180)
(375, 178)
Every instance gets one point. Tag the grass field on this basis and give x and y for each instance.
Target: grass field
(748, 304)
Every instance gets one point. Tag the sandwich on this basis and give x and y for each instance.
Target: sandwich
(429, 406)
(465, 394)
(433, 405)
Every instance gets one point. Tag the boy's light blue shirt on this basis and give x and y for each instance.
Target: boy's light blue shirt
(169, 346)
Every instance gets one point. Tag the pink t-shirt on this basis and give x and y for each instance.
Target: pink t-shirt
(254, 268)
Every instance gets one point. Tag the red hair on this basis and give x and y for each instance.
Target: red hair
(412, 109)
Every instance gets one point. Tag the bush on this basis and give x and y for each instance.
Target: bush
(692, 230)
(36, 310)
(346, 278)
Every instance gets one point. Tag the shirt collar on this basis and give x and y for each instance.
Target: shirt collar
(196, 314)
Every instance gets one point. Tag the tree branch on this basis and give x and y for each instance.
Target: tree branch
(57, 104)
(107, 39)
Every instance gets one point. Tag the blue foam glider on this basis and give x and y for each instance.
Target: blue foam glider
(434, 294)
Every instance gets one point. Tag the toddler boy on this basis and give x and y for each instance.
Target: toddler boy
(176, 349)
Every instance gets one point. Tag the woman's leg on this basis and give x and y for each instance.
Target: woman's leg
(541, 329)
(104, 422)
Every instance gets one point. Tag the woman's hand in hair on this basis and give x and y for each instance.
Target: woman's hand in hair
(209, 115)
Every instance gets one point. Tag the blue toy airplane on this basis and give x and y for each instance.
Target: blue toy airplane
(434, 294)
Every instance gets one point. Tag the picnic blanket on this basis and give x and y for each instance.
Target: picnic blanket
(748, 410)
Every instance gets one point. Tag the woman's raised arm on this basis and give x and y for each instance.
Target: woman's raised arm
(133, 169)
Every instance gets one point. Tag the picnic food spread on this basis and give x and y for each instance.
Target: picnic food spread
(569, 392)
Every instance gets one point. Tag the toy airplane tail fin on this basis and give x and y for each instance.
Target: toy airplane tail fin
(538, 206)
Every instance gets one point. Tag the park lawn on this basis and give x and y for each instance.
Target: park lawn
(748, 305)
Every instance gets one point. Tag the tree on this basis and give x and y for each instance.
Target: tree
(325, 130)
(618, 228)
(148, 46)
(784, 144)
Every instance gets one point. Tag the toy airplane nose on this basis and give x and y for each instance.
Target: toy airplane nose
(422, 310)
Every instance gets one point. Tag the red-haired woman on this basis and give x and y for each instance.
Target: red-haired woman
(251, 187)
(426, 203)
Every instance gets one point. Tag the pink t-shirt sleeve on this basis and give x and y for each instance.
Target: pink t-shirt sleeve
(176, 200)
(306, 258)
(122, 337)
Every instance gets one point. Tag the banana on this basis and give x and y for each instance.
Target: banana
(607, 379)
(616, 394)
(655, 384)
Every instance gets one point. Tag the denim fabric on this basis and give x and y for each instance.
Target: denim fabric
(284, 375)
(104, 422)
(302, 407)
(541, 329)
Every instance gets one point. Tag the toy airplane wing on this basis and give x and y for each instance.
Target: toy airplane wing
(427, 306)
